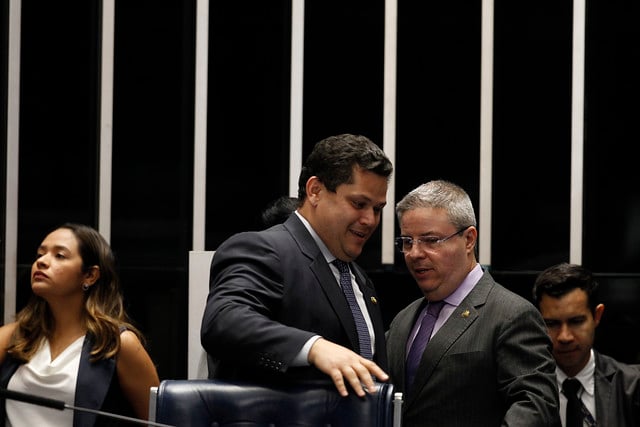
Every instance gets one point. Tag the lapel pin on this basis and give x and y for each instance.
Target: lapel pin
(465, 313)
(374, 300)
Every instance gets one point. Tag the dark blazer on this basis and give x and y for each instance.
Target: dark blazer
(97, 388)
(617, 392)
(270, 291)
(490, 364)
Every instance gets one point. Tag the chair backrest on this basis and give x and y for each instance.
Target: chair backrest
(209, 403)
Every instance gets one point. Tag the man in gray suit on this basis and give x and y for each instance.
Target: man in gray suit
(488, 361)
(608, 391)
(276, 312)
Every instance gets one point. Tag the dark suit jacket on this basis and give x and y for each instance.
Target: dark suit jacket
(617, 392)
(270, 291)
(97, 388)
(489, 365)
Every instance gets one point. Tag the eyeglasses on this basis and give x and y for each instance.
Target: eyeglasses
(430, 243)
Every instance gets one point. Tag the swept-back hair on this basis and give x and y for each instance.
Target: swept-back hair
(560, 279)
(440, 194)
(333, 160)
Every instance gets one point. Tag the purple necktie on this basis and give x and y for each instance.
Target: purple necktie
(361, 325)
(421, 339)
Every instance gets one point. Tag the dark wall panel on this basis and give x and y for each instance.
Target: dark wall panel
(531, 134)
(248, 126)
(58, 123)
(612, 196)
(153, 170)
(438, 106)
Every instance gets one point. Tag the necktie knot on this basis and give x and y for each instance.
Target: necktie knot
(343, 267)
(570, 386)
(434, 307)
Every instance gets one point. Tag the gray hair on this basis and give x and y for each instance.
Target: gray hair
(440, 194)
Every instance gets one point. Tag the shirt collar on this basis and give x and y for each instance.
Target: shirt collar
(465, 287)
(323, 248)
(585, 376)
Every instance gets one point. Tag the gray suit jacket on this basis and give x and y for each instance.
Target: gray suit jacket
(617, 392)
(270, 291)
(490, 364)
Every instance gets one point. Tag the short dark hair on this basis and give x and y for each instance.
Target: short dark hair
(278, 210)
(333, 159)
(560, 279)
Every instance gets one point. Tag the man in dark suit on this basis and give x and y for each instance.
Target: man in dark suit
(276, 311)
(608, 390)
(488, 360)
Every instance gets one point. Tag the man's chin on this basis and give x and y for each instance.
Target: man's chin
(354, 252)
(567, 364)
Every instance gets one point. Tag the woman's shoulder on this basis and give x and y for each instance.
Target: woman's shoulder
(6, 331)
(130, 343)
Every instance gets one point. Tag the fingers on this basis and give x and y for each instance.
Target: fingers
(375, 370)
(366, 372)
(360, 379)
(346, 368)
(338, 381)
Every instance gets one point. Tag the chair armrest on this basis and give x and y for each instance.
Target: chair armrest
(153, 398)
(397, 409)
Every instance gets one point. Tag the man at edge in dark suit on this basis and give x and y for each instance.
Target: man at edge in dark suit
(608, 390)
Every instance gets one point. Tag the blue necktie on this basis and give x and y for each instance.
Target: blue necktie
(421, 339)
(361, 326)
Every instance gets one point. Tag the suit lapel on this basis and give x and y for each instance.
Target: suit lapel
(397, 342)
(604, 404)
(371, 301)
(336, 298)
(324, 276)
(459, 321)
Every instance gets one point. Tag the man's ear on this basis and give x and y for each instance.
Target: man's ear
(314, 190)
(597, 315)
(471, 235)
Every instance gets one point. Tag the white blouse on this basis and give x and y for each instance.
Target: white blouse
(55, 379)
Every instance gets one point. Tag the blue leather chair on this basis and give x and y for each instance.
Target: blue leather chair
(196, 403)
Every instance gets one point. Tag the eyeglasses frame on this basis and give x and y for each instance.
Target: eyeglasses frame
(399, 241)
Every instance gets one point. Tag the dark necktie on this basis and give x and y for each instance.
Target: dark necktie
(421, 339)
(361, 325)
(570, 388)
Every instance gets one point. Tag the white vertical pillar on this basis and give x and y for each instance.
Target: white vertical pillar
(13, 127)
(486, 134)
(106, 119)
(389, 123)
(200, 125)
(297, 78)
(199, 259)
(199, 266)
(577, 132)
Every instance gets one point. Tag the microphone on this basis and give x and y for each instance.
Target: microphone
(60, 405)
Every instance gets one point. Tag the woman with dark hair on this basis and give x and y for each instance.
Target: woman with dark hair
(74, 341)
